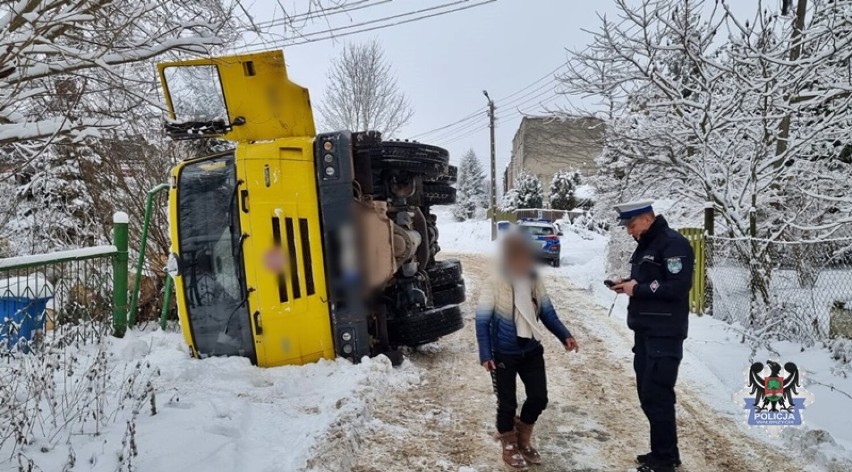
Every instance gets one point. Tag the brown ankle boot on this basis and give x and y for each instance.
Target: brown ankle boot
(525, 442)
(511, 456)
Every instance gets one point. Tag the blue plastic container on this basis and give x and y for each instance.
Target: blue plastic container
(20, 318)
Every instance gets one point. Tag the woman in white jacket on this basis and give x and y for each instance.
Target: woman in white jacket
(513, 309)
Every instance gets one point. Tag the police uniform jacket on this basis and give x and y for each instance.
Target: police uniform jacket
(662, 266)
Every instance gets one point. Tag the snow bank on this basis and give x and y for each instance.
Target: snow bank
(224, 413)
(472, 236)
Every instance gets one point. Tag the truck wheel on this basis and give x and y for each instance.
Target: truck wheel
(438, 194)
(415, 152)
(452, 295)
(443, 273)
(424, 327)
(416, 158)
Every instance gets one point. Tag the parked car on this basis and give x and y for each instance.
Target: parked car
(503, 226)
(546, 239)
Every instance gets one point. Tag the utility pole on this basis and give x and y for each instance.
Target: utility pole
(493, 168)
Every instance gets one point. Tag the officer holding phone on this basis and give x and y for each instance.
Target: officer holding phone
(658, 314)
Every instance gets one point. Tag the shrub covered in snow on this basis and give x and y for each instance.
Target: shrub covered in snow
(527, 192)
(563, 188)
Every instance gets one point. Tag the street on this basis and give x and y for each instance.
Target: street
(593, 421)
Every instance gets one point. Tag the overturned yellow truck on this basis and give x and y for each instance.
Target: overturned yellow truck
(289, 247)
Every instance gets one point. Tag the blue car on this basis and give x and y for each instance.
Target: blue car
(546, 239)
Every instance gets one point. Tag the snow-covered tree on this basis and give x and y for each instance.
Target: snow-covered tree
(74, 75)
(362, 93)
(734, 122)
(470, 187)
(527, 192)
(563, 187)
(509, 200)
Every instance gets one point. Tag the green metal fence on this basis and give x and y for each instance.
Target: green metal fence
(86, 289)
(697, 296)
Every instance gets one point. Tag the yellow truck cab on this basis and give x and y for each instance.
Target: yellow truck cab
(291, 247)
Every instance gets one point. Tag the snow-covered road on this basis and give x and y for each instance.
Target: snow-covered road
(593, 421)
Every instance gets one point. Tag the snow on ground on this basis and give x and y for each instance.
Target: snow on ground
(223, 413)
(716, 359)
(471, 237)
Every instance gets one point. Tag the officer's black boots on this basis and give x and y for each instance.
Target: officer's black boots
(645, 459)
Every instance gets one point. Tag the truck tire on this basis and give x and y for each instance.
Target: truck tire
(429, 161)
(438, 194)
(425, 326)
(443, 273)
(452, 295)
(410, 151)
(427, 169)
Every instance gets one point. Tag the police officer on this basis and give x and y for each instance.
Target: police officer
(658, 287)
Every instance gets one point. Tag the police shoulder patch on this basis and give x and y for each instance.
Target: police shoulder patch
(674, 264)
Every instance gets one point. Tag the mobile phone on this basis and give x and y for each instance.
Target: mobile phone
(609, 283)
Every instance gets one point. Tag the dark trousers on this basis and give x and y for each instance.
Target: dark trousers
(530, 368)
(656, 362)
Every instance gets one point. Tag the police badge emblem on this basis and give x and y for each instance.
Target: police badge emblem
(674, 264)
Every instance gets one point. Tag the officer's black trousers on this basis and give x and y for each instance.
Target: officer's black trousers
(530, 368)
(656, 361)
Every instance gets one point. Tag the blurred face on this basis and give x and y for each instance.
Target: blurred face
(517, 255)
(640, 225)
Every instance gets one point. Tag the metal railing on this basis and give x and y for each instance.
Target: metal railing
(76, 295)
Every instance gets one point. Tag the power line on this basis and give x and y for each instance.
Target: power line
(293, 42)
(462, 125)
(468, 117)
(472, 127)
(402, 22)
(549, 74)
(548, 86)
(324, 12)
(380, 20)
(452, 132)
(507, 116)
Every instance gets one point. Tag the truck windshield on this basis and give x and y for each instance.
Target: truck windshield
(211, 258)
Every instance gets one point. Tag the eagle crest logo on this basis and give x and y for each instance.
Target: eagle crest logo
(774, 396)
(774, 391)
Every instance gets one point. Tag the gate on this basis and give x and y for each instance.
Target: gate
(697, 296)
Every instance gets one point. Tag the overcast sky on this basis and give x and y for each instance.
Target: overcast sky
(443, 63)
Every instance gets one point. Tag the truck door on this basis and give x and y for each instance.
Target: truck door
(283, 252)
